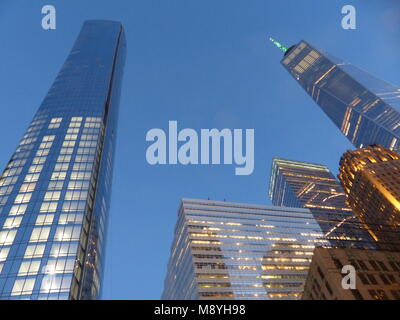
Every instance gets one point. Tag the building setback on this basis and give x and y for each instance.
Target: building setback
(229, 250)
(371, 179)
(377, 275)
(55, 190)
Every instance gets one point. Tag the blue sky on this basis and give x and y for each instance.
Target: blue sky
(206, 64)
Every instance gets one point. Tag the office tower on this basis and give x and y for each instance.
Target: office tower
(371, 179)
(364, 108)
(376, 275)
(228, 250)
(55, 191)
(313, 186)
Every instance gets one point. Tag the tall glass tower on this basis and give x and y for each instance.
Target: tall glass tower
(313, 186)
(55, 190)
(235, 251)
(364, 108)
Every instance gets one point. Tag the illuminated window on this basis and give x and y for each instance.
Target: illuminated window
(40, 234)
(32, 177)
(45, 145)
(67, 233)
(64, 158)
(68, 143)
(76, 195)
(13, 222)
(35, 169)
(80, 175)
(48, 138)
(42, 152)
(18, 209)
(78, 185)
(27, 187)
(23, 286)
(61, 167)
(4, 253)
(23, 198)
(48, 207)
(58, 176)
(71, 206)
(55, 185)
(7, 237)
(44, 219)
(29, 268)
(63, 249)
(34, 251)
(52, 196)
(70, 218)
(55, 123)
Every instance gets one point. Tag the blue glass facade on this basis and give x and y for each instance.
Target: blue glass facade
(364, 108)
(313, 186)
(55, 191)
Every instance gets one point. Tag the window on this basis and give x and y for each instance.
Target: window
(71, 206)
(23, 198)
(29, 268)
(39, 160)
(78, 185)
(34, 251)
(40, 234)
(27, 187)
(52, 196)
(55, 185)
(4, 253)
(32, 177)
(13, 222)
(64, 249)
(61, 167)
(372, 279)
(67, 233)
(76, 195)
(23, 286)
(58, 176)
(17, 210)
(64, 158)
(44, 219)
(70, 218)
(356, 294)
(7, 237)
(48, 207)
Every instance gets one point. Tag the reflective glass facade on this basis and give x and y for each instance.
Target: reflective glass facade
(364, 108)
(55, 190)
(228, 250)
(313, 186)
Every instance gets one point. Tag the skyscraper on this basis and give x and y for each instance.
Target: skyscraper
(371, 179)
(55, 191)
(313, 186)
(364, 108)
(228, 250)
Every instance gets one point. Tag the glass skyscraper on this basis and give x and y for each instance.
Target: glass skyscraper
(55, 190)
(229, 250)
(313, 186)
(364, 108)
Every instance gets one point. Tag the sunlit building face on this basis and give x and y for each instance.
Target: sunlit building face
(365, 108)
(371, 178)
(54, 192)
(228, 250)
(313, 186)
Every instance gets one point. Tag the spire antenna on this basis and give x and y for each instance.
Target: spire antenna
(279, 45)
